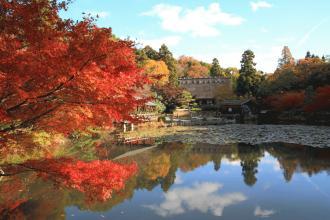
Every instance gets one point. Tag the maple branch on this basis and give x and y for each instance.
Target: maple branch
(60, 86)
(27, 122)
(57, 88)
(27, 169)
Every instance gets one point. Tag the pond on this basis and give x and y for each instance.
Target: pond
(190, 181)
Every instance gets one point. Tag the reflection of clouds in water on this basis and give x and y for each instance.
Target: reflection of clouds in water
(268, 159)
(201, 197)
(178, 180)
(267, 186)
(228, 162)
(263, 213)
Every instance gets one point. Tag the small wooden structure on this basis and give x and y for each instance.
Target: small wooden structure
(147, 108)
(136, 141)
(235, 106)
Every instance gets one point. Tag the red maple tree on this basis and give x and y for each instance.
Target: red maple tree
(321, 101)
(62, 75)
(287, 100)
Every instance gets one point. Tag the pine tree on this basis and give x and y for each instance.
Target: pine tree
(150, 53)
(166, 56)
(248, 80)
(215, 68)
(323, 59)
(287, 58)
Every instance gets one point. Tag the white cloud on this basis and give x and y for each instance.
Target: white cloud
(201, 197)
(225, 161)
(255, 6)
(200, 21)
(271, 161)
(263, 213)
(100, 14)
(267, 57)
(157, 42)
(178, 180)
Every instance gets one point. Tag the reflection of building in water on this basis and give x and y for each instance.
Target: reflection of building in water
(207, 91)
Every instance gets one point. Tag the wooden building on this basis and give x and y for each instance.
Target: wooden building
(207, 91)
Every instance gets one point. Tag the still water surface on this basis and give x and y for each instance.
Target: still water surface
(198, 181)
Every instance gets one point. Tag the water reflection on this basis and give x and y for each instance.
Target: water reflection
(201, 197)
(181, 174)
(263, 213)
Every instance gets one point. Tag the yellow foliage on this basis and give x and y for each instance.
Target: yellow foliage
(156, 71)
(159, 166)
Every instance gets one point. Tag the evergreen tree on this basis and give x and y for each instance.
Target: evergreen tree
(150, 53)
(215, 68)
(166, 56)
(249, 80)
(141, 57)
(287, 58)
(323, 59)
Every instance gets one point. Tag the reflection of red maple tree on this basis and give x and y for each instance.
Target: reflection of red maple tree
(96, 179)
(12, 196)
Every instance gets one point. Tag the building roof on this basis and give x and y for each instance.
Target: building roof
(205, 88)
(235, 102)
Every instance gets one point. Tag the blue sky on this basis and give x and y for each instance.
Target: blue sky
(206, 29)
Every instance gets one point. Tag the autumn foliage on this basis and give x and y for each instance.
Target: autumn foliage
(96, 179)
(321, 100)
(287, 100)
(190, 67)
(157, 72)
(62, 75)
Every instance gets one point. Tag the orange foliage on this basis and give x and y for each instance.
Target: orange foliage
(159, 166)
(190, 67)
(62, 75)
(194, 161)
(96, 179)
(308, 61)
(157, 71)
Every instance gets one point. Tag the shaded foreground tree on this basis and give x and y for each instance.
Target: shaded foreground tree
(59, 74)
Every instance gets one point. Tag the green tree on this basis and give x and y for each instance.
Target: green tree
(323, 59)
(166, 56)
(141, 57)
(150, 53)
(186, 99)
(215, 68)
(249, 79)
